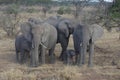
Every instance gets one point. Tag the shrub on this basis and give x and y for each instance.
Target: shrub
(10, 19)
(67, 10)
(60, 10)
(12, 9)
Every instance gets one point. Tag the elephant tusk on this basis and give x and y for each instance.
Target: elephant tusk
(43, 45)
(33, 46)
(80, 44)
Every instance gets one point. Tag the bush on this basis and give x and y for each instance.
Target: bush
(60, 10)
(12, 9)
(64, 10)
(31, 10)
(10, 19)
(67, 10)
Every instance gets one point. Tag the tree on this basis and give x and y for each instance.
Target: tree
(79, 4)
(114, 12)
(10, 19)
(115, 9)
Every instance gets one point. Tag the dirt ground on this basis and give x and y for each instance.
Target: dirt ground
(106, 63)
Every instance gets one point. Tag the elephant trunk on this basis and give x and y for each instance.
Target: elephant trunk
(34, 54)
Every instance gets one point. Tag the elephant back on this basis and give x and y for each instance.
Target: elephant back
(53, 20)
(35, 20)
(51, 33)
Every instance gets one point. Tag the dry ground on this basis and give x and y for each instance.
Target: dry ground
(106, 63)
(106, 60)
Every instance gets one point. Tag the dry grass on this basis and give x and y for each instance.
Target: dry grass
(107, 50)
(106, 60)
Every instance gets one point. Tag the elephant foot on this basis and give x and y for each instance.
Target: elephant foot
(52, 61)
(34, 65)
(83, 62)
(90, 65)
(61, 58)
(80, 65)
(21, 62)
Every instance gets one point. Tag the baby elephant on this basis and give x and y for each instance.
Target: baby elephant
(22, 47)
(69, 57)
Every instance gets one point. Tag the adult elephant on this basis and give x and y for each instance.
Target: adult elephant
(64, 28)
(43, 36)
(84, 35)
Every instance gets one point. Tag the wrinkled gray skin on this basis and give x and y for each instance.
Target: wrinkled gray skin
(35, 20)
(22, 47)
(69, 57)
(64, 28)
(26, 30)
(43, 38)
(86, 35)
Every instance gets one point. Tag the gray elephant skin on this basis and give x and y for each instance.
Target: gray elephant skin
(22, 47)
(43, 37)
(69, 57)
(84, 35)
(64, 28)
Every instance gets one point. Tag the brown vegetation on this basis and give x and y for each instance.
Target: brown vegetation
(106, 60)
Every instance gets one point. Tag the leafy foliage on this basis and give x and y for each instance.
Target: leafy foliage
(10, 19)
(12, 9)
(115, 9)
(68, 10)
(24, 1)
(63, 10)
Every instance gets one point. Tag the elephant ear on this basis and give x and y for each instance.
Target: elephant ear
(26, 30)
(69, 26)
(63, 28)
(44, 31)
(96, 32)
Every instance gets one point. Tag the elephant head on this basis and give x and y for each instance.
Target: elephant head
(44, 37)
(37, 33)
(26, 29)
(53, 20)
(35, 20)
(65, 26)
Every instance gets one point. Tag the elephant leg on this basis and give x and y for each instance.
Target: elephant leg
(26, 56)
(22, 56)
(91, 52)
(84, 53)
(17, 56)
(43, 55)
(64, 44)
(35, 57)
(80, 56)
(40, 50)
(52, 55)
(68, 61)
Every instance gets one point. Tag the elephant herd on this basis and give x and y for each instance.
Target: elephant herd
(40, 36)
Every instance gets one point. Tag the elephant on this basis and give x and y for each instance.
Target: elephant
(84, 35)
(22, 47)
(69, 56)
(35, 20)
(64, 28)
(44, 36)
